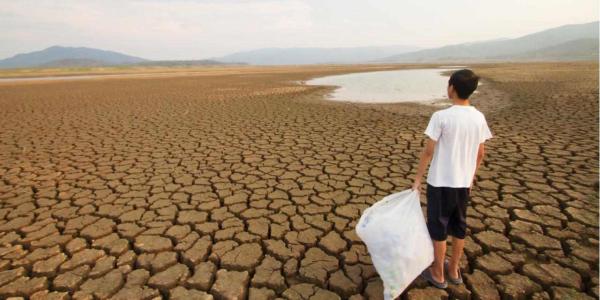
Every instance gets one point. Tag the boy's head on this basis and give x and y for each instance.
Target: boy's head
(462, 84)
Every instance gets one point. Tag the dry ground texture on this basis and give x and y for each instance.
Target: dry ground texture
(245, 184)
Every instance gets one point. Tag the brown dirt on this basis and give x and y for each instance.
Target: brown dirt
(246, 184)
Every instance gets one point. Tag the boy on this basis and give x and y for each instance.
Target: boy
(456, 136)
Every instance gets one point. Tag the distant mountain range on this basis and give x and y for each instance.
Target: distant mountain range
(564, 43)
(58, 56)
(65, 57)
(581, 49)
(303, 56)
(569, 42)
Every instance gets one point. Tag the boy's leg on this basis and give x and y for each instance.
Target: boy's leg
(458, 229)
(437, 223)
(457, 249)
(437, 268)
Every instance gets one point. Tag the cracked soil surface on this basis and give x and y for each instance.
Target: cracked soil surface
(248, 185)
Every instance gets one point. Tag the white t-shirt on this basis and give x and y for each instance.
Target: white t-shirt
(458, 130)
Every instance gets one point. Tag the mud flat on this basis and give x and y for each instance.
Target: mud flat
(248, 184)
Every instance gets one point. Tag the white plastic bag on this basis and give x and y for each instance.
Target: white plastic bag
(397, 239)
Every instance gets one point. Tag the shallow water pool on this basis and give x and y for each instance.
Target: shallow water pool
(408, 85)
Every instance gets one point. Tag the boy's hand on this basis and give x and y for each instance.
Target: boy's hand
(416, 186)
(426, 156)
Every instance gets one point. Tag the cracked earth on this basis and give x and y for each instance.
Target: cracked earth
(248, 185)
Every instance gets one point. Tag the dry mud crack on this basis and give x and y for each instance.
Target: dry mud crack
(248, 186)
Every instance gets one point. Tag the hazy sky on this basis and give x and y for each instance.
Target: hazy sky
(192, 29)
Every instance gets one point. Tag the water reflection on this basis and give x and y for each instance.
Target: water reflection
(388, 86)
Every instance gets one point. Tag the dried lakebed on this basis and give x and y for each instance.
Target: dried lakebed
(249, 186)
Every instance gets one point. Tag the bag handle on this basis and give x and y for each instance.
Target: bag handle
(388, 198)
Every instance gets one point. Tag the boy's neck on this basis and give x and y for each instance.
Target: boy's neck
(458, 101)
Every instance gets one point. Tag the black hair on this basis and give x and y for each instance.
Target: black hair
(464, 82)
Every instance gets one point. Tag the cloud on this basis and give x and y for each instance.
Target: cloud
(157, 24)
(189, 29)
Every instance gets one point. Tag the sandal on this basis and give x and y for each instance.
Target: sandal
(426, 274)
(458, 280)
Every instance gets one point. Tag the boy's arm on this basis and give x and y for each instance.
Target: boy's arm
(480, 155)
(426, 156)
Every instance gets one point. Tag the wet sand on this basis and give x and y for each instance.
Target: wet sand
(244, 184)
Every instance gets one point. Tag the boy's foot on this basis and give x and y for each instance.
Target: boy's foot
(448, 277)
(426, 274)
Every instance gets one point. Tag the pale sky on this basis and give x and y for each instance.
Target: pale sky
(196, 29)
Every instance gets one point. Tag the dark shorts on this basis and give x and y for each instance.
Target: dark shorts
(447, 212)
